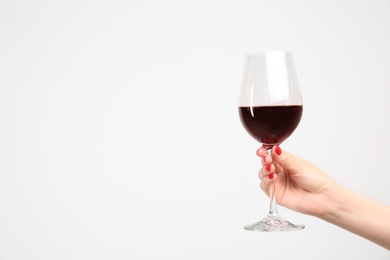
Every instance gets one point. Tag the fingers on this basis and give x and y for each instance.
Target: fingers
(267, 172)
(266, 161)
(263, 153)
(267, 175)
(278, 162)
(285, 159)
(265, 157)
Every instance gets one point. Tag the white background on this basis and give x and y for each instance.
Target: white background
(120, 137)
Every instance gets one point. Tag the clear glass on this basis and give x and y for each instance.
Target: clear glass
(270, 108)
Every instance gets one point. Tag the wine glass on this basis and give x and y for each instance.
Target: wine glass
(270, 108)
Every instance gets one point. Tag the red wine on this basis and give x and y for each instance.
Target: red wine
(270, 125)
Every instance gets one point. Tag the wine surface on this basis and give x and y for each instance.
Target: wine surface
(270, 125)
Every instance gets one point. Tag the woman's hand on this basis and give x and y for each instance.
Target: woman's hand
(299, 185)
(303, 187)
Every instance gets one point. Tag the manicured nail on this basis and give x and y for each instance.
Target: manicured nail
(271, 176)
(264, 158)
(278, 151)
(268, 167)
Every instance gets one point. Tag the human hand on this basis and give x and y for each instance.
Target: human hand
(303, 187)
(299, 185)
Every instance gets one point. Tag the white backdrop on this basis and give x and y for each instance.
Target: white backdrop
(120, 136)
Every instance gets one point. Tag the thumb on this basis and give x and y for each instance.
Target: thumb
(286, 159)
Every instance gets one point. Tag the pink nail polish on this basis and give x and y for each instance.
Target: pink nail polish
(278, 151)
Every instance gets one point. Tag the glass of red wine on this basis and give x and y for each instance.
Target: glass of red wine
(270, 108)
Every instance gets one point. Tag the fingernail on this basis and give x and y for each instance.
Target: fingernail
(278, 151)
(268, 168)
(271, 176)
(264, 158)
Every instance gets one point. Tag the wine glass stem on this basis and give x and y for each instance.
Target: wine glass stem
(273, 211)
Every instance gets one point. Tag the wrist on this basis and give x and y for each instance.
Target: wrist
(355, 213)
(337, 203)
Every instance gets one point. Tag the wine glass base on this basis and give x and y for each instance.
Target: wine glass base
(272, 224)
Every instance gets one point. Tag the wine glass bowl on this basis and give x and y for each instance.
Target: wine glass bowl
(264, 123)
(270, 109)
